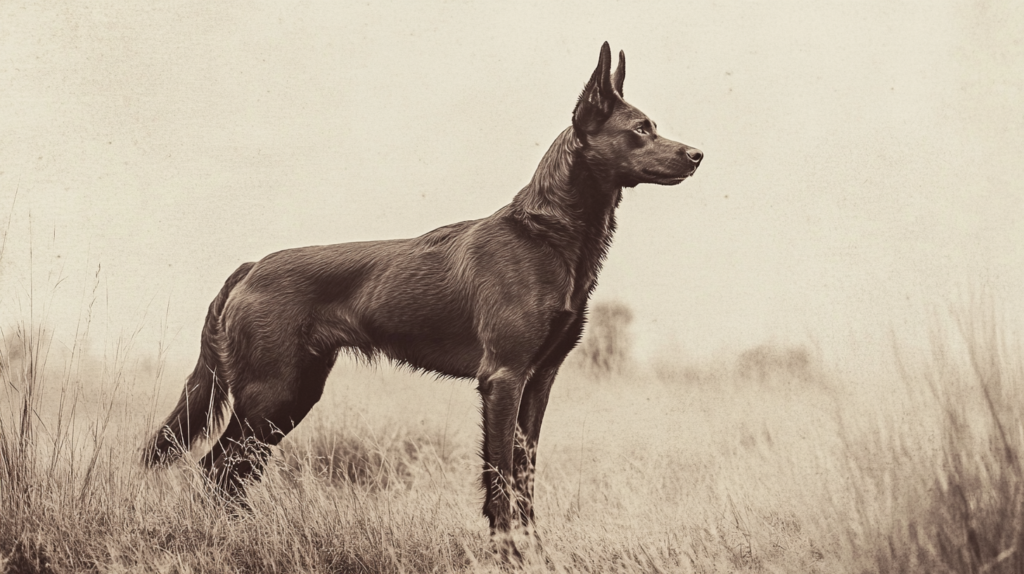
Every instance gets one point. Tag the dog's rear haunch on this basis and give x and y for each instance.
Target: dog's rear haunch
(501, 299)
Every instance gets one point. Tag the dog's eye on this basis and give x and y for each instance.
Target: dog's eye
(640, 130)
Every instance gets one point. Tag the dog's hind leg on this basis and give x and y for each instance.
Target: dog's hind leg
(233, 431)
(264, 412)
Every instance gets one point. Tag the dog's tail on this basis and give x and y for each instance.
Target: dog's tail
(201, 406)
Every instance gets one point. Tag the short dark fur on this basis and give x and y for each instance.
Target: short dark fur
(501, 299)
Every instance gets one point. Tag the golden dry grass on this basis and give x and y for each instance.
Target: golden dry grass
(721, 468)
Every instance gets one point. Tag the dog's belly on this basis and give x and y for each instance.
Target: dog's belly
(436, 354)
(431, 334)
(416, 321)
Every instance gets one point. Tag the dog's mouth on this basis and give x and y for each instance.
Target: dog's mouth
(668, 179)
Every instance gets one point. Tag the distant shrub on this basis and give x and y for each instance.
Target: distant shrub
(765, 362)
(607, 343)
(671, 368)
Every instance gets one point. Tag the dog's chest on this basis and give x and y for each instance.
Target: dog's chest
(592, 249)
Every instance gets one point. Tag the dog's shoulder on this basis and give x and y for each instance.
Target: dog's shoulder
(444, 234)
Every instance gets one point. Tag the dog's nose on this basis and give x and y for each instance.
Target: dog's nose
(694, 154)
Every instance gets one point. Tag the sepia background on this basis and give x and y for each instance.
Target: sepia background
(859, 201)
(861, 157)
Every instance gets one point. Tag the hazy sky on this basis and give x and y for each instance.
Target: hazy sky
(861, 158)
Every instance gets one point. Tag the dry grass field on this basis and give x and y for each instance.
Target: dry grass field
(763, 462)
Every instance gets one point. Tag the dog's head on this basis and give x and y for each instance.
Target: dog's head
(619, 141)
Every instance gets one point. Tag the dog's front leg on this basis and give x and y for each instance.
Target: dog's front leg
(501, 392)
(531, 414)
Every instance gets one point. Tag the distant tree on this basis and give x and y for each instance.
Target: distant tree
(607, 344)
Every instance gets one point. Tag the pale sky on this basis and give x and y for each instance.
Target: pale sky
(861, 158)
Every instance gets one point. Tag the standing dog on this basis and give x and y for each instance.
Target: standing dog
(500, 299)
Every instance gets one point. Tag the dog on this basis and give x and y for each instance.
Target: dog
(501, 299)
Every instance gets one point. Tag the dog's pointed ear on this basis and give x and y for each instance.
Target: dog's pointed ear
(598, 98)
(620, 73)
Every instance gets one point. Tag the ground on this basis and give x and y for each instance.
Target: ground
(667, 467)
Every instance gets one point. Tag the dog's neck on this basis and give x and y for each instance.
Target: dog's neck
(565, 187)
(572, 205)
